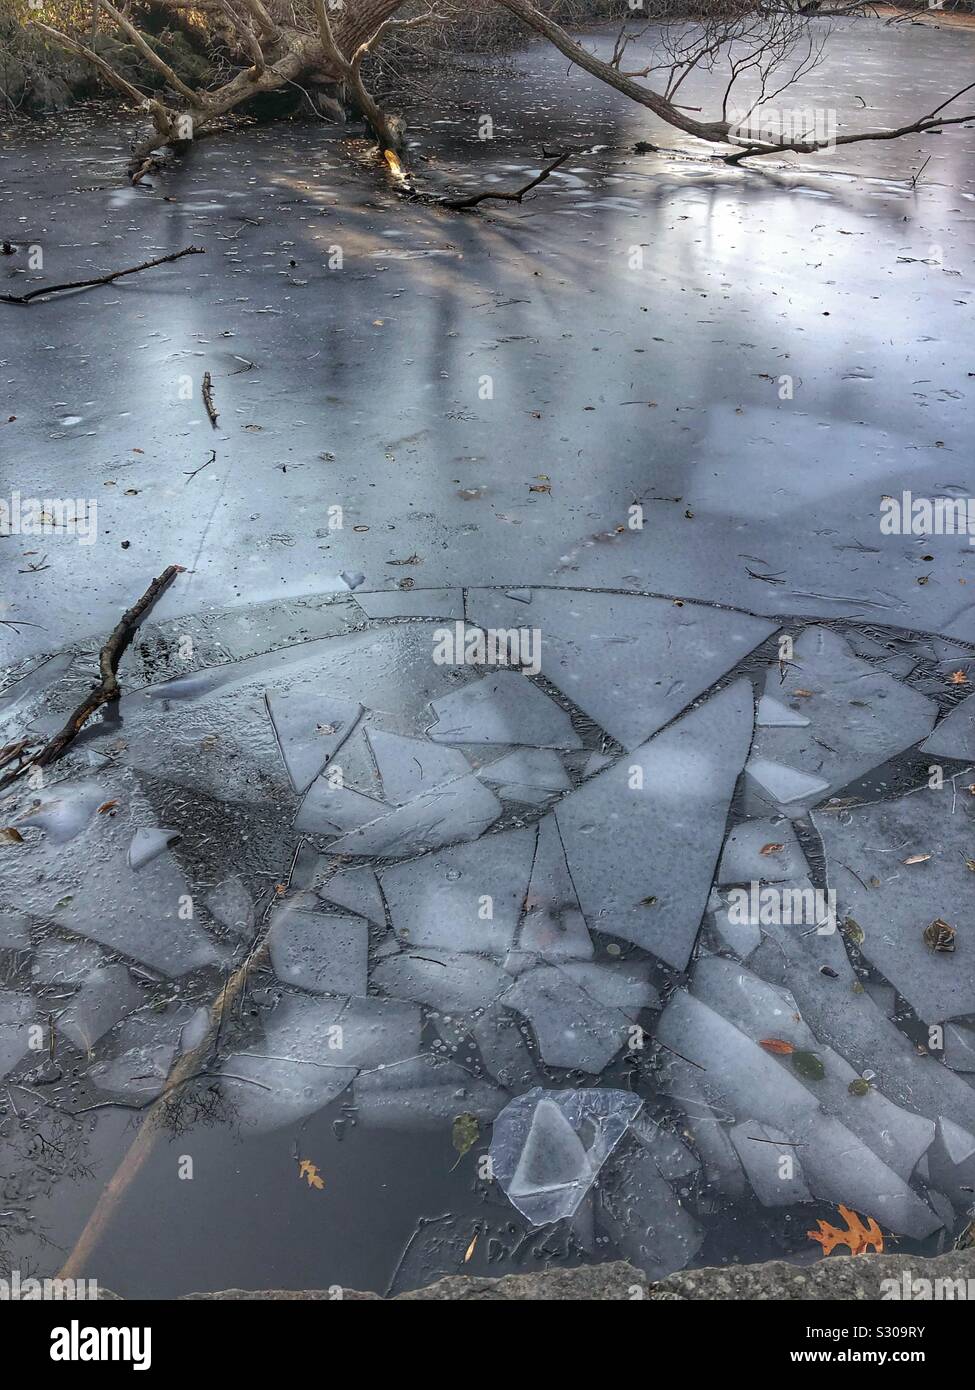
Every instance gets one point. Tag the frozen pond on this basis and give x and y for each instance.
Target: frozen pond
(547, 965)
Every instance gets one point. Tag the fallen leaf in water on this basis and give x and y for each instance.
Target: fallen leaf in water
(939, 936)
(470, 1249)
(465, 1133)
(916, 859)
(779, 1046)
(11, 836)
(107, 806)
(539, 487)
(307, 1170)
(958, 678)
(859, 1087)
(771, 849)
(804, 694)
(808, 1065)
(858, 1238)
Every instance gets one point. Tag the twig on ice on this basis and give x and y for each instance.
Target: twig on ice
(108, 688)
(208, 399)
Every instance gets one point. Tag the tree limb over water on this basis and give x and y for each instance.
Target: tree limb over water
(764, 46)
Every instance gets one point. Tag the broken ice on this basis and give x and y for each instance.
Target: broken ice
(642, 838)
(547, 1147)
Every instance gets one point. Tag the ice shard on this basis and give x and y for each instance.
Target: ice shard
(547, 1147)
(892, 903)
(310, 727)
(502, 708)
(643, 837)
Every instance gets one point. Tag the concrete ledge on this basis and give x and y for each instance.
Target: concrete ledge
(839, 1277)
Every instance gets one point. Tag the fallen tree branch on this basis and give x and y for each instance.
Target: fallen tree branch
(934, 121)
(513, 196)
(108, 688)
(101, 279)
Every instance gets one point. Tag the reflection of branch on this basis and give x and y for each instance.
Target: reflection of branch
(515, 196)
(101, 279)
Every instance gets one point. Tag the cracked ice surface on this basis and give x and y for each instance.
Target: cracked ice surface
(858, 717)
(954, 736)
(630, 663)
(319, 952)
(718, 1026)
(310, 727)
(312, 1050)
(440, 899)
(462, 966)
(642, 856)
(85, 883)
(893, 902)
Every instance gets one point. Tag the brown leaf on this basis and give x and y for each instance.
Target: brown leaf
(771, 849)
(779, 1046)
(858, 1238)
(470, 1249)
(939, 935)
(916, 859)
(9, 835)
(539, 487)
(958, 678)
(107, 806)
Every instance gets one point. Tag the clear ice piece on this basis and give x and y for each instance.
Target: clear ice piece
(547, 1147)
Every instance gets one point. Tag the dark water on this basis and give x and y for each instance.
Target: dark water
(360, 387)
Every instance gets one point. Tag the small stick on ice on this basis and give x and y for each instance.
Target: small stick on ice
(208, 399)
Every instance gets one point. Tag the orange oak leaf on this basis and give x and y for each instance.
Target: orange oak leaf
(307, 1169)
(857, 1237)
(778, 1046)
